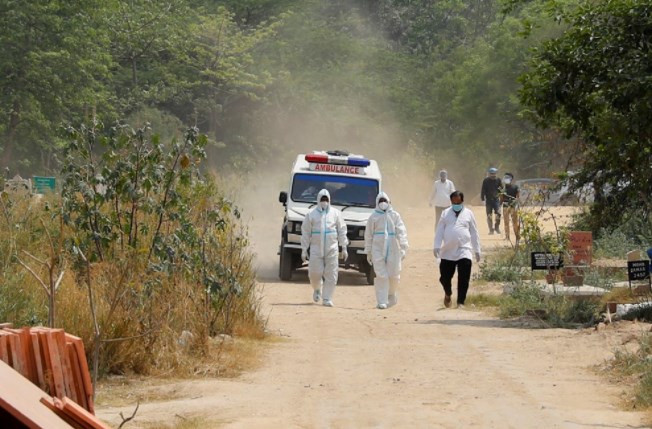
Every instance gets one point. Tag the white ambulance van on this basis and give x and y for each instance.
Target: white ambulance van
(353, 182)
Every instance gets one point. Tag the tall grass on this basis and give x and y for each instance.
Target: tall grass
(141, 312)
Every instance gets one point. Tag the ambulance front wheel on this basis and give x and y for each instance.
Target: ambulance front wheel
(285, 265)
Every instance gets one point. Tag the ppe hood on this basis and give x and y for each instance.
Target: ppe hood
(383, 195)
(323, 193)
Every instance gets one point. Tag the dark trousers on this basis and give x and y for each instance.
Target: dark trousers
(493, 206)
(446, 271)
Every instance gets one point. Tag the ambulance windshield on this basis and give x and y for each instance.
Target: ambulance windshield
(345, 191)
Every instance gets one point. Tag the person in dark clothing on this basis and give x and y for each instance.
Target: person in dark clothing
(509, 199)
(492, 187)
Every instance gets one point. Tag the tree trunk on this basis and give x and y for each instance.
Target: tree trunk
(10, 135)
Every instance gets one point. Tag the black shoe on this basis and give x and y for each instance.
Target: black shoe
(491, 232)
(447, 301)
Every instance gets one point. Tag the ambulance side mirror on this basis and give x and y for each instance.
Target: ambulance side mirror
(283, 198)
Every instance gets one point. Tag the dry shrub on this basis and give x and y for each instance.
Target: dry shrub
(141, 313)
(146, 238)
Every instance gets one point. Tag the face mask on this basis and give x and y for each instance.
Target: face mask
(458, 207)
(507, 180)
(383, 206)
(323, 205)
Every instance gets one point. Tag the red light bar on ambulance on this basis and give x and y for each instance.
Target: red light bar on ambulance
(341, 160)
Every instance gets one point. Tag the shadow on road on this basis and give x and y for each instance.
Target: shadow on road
(480, 323)
(599, 425)
(346, 278)
(293, 304)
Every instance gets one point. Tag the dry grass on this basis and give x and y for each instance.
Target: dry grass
(227, 358)
(141, 313)
(620, 295)
(128, 391)
(631, 367)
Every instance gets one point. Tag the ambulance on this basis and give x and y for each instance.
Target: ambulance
(353, 182)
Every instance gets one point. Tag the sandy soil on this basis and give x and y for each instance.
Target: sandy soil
(415, 365)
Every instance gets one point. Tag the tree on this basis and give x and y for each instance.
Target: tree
(52, 63)
(594, 82)
(147, 38)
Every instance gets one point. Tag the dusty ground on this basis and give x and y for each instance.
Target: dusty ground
(415, 365)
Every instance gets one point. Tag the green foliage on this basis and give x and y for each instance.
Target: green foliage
(592, 82)
(522, 299)
(53, 62)
(615, 245)
(166, 252)
(556, 311)
(505, 267)
(258, 76)
(483, 300)
(633, 233)
(135, 176)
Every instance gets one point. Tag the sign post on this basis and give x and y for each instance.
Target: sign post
(546, 261)
(638, 271)
(42, 185)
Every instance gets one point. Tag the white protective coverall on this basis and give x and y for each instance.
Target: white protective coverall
(386, 240)
(321, 232)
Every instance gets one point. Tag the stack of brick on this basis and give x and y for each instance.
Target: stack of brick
(52, 360)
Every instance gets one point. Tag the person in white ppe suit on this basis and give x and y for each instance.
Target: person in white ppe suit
(386, 245)
(323, 229)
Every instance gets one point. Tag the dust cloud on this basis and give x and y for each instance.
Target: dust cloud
(407, 178)
(335, 121)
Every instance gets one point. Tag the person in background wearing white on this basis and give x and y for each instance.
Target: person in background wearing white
(322, 230)
(440, 196)
(456, 240)
(386, 243)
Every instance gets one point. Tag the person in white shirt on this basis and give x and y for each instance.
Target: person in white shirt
(440, 196)
(456, 240)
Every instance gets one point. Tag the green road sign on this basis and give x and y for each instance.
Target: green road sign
(41, 185)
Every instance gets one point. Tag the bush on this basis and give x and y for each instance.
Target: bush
(633, 234)
(507, 266)
(557, 311)
(602, 278)
(615, 244)
(139, 229)
(522, 299)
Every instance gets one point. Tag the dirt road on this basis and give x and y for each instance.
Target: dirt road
(415, 365)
